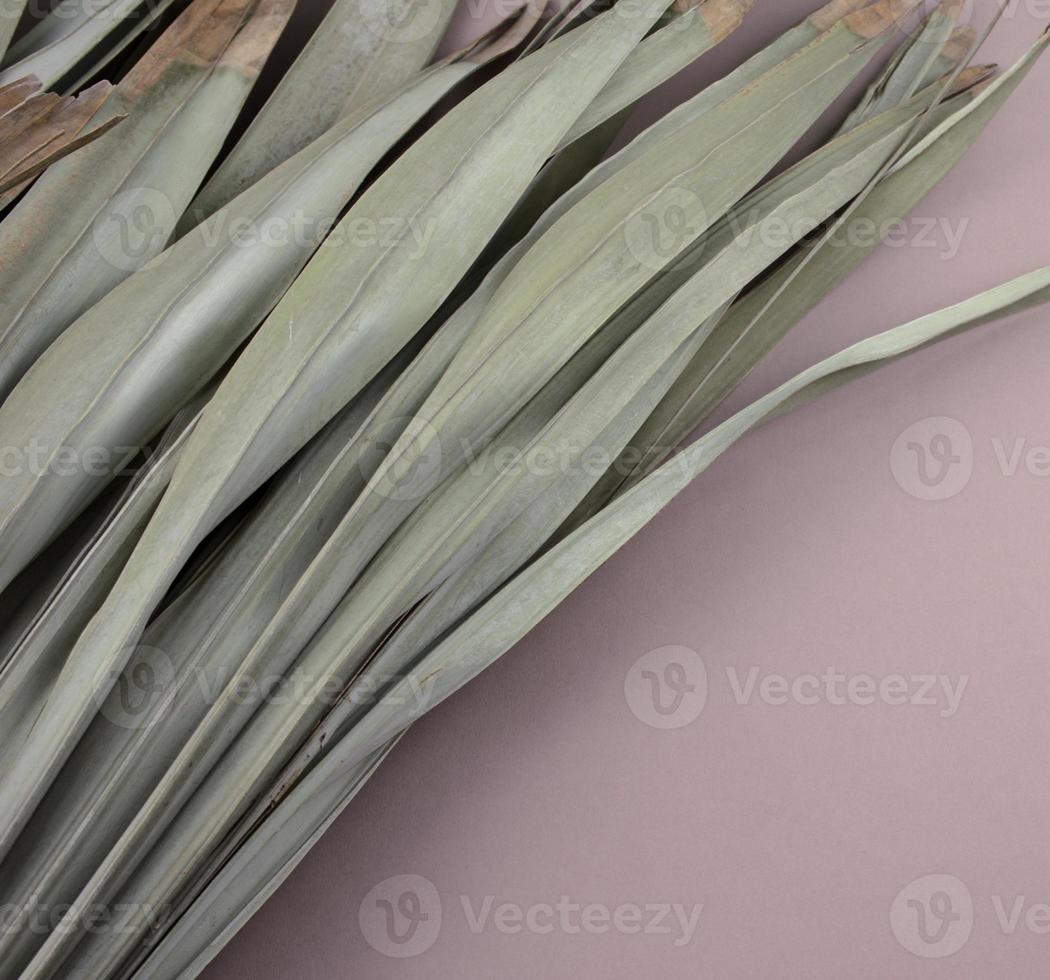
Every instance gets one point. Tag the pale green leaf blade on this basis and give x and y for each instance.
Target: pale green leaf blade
(499, 623)
(200, 642)
(9, 18)
(331, 574)
(455, 525)
(752, 328)
(569, 416)
(360, 53)
(105, 212)
(525, 600)
(321, 175)
(576, 274)
(253, 874)
(580, 69)
(192, 648)
(203, 295)
(58, 43)
(660, 56)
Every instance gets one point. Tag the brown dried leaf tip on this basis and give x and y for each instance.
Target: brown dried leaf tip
(872, 21)
(722, 16)
(37, 128)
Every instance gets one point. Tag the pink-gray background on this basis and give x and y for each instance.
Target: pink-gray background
(795, 825)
